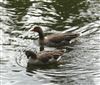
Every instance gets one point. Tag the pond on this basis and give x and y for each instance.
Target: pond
(82, 65)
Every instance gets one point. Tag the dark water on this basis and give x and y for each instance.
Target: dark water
(82, 63)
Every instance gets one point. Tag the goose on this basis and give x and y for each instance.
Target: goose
(44, 57)
(54, 40)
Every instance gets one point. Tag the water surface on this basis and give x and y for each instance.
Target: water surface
(82, 65)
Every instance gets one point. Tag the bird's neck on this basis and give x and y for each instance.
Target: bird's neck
(41, 40)
(41, 43)
(41, 35)
(34, 57)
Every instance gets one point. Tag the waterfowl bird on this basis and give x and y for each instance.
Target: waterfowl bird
(54, 40)
(44, 57)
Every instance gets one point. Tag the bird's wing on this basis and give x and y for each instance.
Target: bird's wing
(55, 37)
(47, 55)
(61, 36)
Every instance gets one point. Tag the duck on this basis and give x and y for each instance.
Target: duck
(54, 40)
(44, 58)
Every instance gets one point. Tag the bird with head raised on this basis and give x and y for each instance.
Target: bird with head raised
(54, 40)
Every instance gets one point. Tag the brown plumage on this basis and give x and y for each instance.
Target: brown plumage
(54, 40)
(44, 57)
